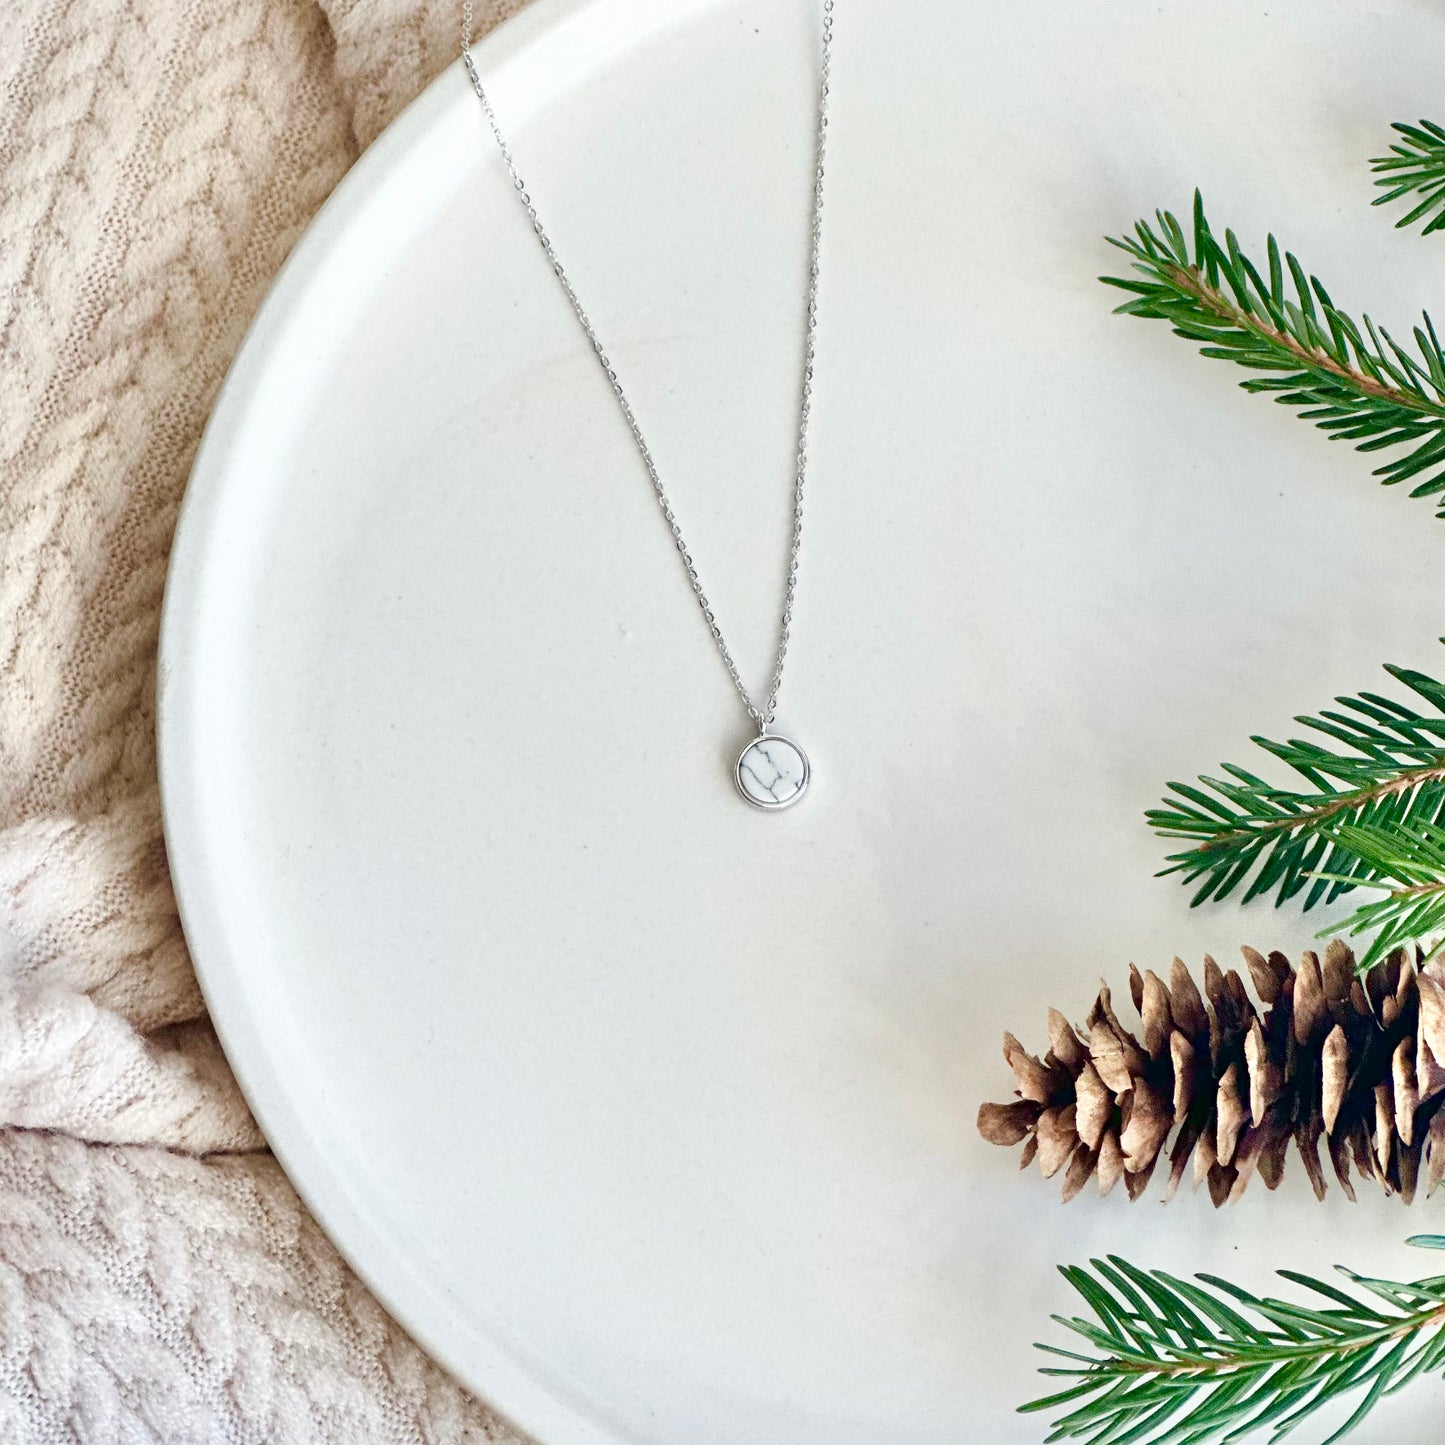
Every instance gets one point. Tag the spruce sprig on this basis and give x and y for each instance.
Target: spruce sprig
(1352, 380)
(1371, 815)
(1408, 861)
(1175, 1362)
(1415, 167)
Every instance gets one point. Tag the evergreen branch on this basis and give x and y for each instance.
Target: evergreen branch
(1382, 769)
(1415, 168)
(1352, 380)
(1173, 1362)
(1408, 861)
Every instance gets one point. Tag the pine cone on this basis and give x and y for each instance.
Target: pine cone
(1353, 1061)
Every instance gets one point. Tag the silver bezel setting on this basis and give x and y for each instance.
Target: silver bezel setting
(785, 802)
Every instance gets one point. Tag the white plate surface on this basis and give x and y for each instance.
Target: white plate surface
(652, 1115)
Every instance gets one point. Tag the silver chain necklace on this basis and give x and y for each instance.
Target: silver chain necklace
(772, 771)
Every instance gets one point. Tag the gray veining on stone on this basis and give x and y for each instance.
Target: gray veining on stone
(772, 771)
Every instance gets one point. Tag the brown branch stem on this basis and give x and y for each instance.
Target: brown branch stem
(1339, 803)
(1191, 280)
(1194, 1364)
(1418, 890)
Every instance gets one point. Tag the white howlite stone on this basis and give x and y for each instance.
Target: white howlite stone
(772, 772)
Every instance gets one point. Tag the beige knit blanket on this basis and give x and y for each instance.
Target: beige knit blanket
(159, 1278)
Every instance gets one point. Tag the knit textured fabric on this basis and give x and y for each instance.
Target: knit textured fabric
(159, 1279)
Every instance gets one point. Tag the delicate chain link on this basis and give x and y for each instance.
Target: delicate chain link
(763, 716)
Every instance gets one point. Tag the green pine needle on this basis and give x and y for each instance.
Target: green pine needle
(1415, 168)
(1372, 816)
(1174, 1362)
(1408, 861)
(1352, 380)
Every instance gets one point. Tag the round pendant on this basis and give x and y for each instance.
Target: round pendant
(772, 772)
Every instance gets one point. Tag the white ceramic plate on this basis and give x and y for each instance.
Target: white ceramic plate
(650, 1114)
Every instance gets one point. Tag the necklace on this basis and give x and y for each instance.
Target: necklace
(772, 771)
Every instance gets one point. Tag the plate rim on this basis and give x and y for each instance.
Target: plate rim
(506, 1382)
